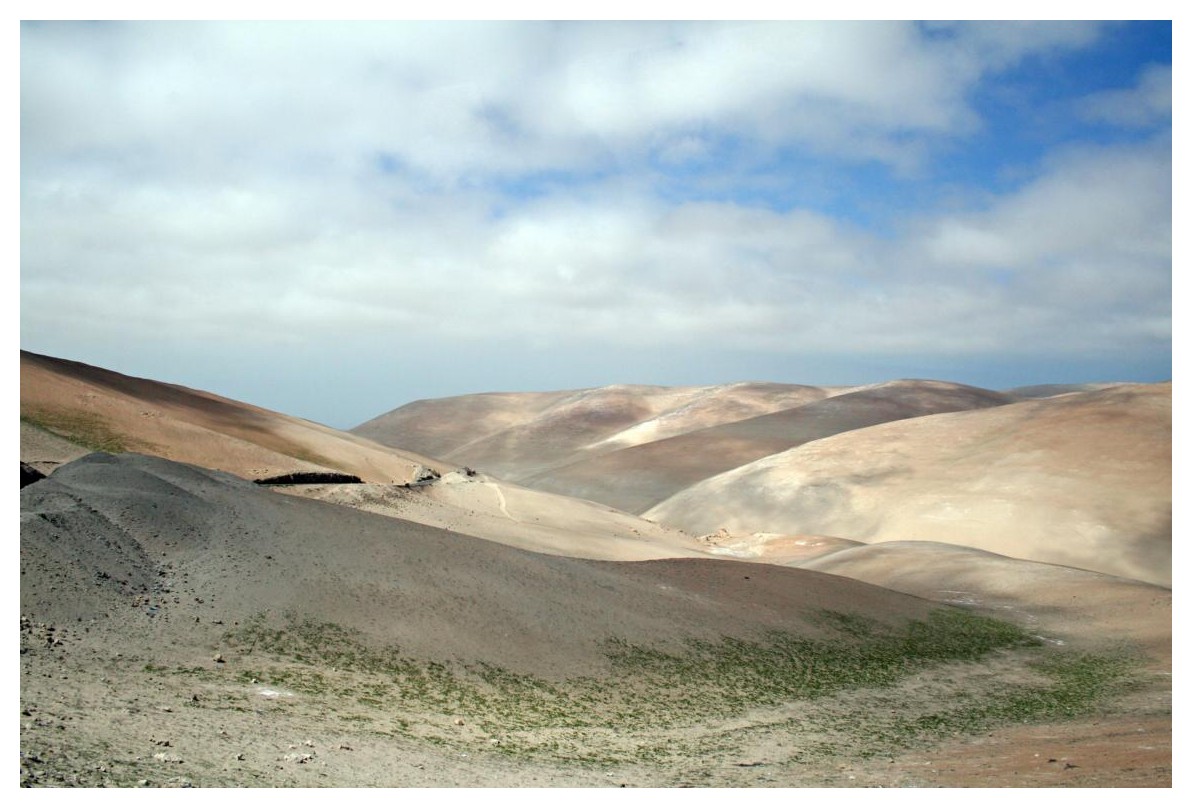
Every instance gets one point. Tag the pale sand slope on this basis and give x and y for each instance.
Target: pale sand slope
(513, 435)
(101, 409)
(1049, 390)
(1080, 480)
(509, 514)
(774, 548)
(1088, 609)
(638, 477)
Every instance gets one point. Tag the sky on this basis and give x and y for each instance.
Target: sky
(334, 219)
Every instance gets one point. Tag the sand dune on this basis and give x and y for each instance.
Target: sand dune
(515, 435)
(1080, 480)
(69, 408)
(636, 478)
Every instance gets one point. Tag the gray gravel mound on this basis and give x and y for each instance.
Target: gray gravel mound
(136, 546)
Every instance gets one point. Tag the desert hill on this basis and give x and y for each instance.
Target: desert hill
(640, 476)
(1049, 390)
(1081, 480)
(110, 410)
(183, 626)
(1069, 605)
(488, 508)
(69, 409)
(101, 529)
(516, 435)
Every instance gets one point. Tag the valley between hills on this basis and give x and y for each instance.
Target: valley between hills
(907, 584)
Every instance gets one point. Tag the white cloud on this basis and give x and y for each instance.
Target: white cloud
(1078, 259)
(278, 185)
(455, 101)
(1146, 104)
(1107, 204)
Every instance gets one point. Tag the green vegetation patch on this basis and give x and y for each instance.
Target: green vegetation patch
(738, 674)
(84, 428)
(862, 688)
(1076, 681)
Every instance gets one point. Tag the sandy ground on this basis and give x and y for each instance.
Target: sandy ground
(137, 572)
(488, 508)
(1081, 480)
(141, 576)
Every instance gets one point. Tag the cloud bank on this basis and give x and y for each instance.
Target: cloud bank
(237, 192)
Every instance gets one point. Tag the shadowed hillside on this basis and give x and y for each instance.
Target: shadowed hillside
(636, 478)
(518, 435)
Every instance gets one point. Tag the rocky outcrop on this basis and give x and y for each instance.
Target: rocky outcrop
(29, 475)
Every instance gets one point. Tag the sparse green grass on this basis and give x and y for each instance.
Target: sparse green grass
(1076, 681)
(84, 428)
(654, 697)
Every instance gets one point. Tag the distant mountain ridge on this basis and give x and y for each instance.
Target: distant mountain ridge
(1076, 475)
(633, 446)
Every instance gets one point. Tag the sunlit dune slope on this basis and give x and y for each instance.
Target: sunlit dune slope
(1081, 480)
(92, 408)
(640, 476)
(515, 435)
(1049, 390)
(104, 529)
(488, 508)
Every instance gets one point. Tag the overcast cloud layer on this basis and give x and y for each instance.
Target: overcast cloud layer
(332, 220)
